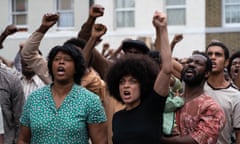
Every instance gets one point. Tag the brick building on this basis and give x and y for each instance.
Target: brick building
(223, 22)
(198, 20)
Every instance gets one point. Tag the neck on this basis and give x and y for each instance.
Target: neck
(132, 106)
(217, 80)
(59, 90)
(193, 92)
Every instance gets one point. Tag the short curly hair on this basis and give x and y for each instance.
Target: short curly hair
(76, 56)
(233, 56)
(141, 67)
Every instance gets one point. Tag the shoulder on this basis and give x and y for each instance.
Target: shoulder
(40, 93)
(82, 93)
(209, 103)
(9, 78)
(119, 113)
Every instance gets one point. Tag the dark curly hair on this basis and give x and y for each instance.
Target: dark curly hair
(141, 67)
(76, 56)
(233, 56)
(75, 41)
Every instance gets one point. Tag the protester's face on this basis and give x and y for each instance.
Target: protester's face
(63, 67)
(194, 71)
(129, 89)
(235, 67)
(216, 54)
(133, 50)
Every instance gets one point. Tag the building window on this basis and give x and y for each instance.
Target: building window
(125, 15)
(231, 12)
(19, 12)
(66, 15)
(176, 12)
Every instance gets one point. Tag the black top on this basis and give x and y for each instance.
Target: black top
(141, 125)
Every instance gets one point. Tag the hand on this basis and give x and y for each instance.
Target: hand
(98, 30)
(105, 46)
(96, 11)
(159, 19)
(10, 29)
(49, 19)
(177, 38)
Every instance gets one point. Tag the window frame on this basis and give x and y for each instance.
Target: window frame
(14, 14)
(176, 7)
(224, 23)
(57, 4)
(123, 9)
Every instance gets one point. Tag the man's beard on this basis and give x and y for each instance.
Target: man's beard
(194, 81)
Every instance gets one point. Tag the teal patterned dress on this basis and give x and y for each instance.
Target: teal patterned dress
(68, 123)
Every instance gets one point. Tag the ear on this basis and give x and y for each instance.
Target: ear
(226, 63)
(207, 75)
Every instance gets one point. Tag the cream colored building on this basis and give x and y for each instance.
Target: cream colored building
(124, 19)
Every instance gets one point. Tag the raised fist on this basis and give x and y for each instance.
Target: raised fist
(96, 11)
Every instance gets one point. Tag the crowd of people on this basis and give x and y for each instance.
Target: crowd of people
(133, 94)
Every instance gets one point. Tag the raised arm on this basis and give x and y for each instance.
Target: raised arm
(10, 29)
(177, 67)
(86, 29)
(30, 52)
(97, 31)
(98, 62)
(177, 38)
(162, 82)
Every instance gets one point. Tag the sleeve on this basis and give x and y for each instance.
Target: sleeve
(31, 56)
(236, 112)
(17, 98)
(95, 110)
(17, 62)
(212, 121)
(94, 83)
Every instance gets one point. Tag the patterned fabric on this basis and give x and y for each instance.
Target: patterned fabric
(201, 118)
(177, 88)
(171, 105)
(68, 123)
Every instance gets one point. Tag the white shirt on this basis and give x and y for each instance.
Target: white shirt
(30, 85)
(229, 99)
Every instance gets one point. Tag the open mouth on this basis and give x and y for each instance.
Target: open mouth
(60, 70)
(189, 72)
(236, 71)
(214, 64)
(126, 94)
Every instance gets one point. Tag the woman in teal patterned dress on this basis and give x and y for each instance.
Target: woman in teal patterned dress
(63, 112)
